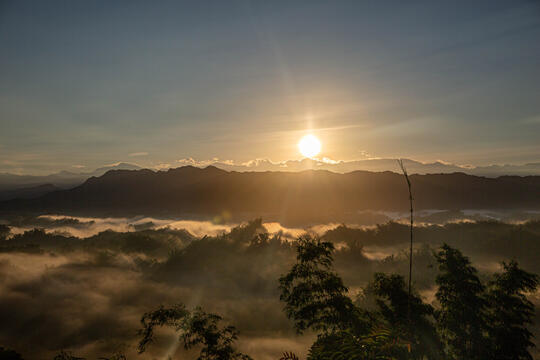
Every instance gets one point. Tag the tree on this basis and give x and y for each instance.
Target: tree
(4, 232)
(380, 344)
(404, 312)
(461, 317)
(315, 297)
(65, 355)
(511, 312)
(406, 175)
(196, 328)
(7, 354)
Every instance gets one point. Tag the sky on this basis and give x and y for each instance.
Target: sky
(89, 83)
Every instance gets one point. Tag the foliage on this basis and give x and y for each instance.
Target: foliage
(196, 328)
(393, 302)
(461, 317)
(7, 354)
(315, 297)
(4, 232)
(473, 320)
(511, 312)
(379, 344)
(171, 317)
(65, 355)
(117, 356)
(289, 356)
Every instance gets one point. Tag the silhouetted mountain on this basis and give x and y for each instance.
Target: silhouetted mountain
(285, 196)
(414, 167)
(62, 179)
(28, 192)
(67, 179)
(120, 166)
(378, 165)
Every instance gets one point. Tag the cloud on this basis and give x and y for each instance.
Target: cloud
(187, 161)
(87, 295)
(203, 163)
(367, 163)
(162, 166)
(329, 161)
(262, 163)
(90, 298)
(112, 164)
(78, 166)
(142, 153)
(84, 227)
(198, 228)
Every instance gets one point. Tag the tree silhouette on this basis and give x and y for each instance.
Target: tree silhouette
(406, 175)
(4, 232)
(511, 312)
(7, 354)
(379, 344)
(470, 322)
(289, 356)
(461, 317)
(65, 355)
(403, 312)
(315, 297)
(196, 328)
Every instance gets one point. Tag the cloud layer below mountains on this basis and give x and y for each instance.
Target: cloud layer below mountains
(87, 295)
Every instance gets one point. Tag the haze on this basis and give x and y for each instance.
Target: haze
(85, 84)
(269, 179)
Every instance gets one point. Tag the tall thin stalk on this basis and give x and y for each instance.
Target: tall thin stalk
(404, 170)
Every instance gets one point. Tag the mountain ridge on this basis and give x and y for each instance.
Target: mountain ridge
(309, 196)
(62, 179)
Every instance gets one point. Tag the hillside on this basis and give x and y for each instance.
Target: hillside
(307, 195)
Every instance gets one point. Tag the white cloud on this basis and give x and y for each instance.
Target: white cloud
(329, 161)
(262, 162)
(187, 161)
(142, 153)
(162, 166)
(204, 163)
(366, 164)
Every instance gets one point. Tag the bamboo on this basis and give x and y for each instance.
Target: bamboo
(404, 170)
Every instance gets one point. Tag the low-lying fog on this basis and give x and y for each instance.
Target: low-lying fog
(89, 226)
(82, 284)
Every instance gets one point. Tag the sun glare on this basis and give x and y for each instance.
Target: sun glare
(309, 146)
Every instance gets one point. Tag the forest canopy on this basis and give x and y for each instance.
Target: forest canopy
(109, 280)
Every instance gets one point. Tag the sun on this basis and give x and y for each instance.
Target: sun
(309, 146)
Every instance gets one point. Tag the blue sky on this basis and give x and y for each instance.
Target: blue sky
(88, 83)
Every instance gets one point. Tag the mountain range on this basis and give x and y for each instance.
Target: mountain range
(378, 165)
(306, 196)
(24, 186)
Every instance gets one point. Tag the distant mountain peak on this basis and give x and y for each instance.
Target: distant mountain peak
(118, 166)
